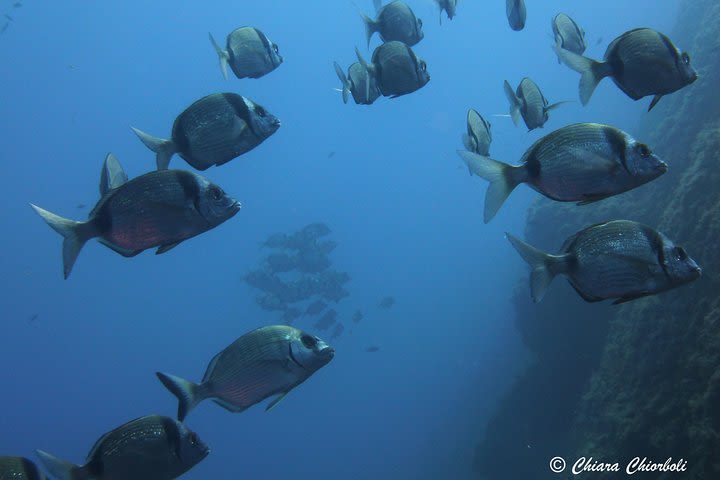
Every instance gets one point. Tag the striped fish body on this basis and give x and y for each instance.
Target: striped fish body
(585, 162)
(19, 468)
(398, 69)
(646, 62)
(251, 53)
(568, 34)
(220, 127)
(479, 134)
(363, 87)
(397, 22)
(534, 104)
(516, 13)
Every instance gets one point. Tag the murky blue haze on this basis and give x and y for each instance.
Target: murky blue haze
(407, 216)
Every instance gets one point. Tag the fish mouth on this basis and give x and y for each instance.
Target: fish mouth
(235, 206)
(662, 167)
(328, 352)
(276, 123)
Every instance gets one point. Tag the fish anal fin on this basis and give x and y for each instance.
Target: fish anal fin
(125, 252)
(654, 102)
(164, 248)
(584, 296)
(630, 298)
(229, 406)
(275, 401)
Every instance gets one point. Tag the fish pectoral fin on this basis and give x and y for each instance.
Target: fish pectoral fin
(585, 296)
(277, 400)
(588, 199)
(654, 102)
(164, 248)
(630, 298)
(125, 252)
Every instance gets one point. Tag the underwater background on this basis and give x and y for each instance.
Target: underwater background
(472, 380)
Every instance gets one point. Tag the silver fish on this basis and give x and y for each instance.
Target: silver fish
(147, 448)
(479, 134)
(359, 83)
(619, 259)
(264, 362)
(158, 209)
(449, 6)
(249, 52)
(213, 131)
(641, 62)
(394, 21)
(396, 69)
(19, 468)
(583, 162)
(516, 13)
(568, 35)
(528, 102)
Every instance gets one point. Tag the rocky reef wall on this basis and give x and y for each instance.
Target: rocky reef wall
(642, 378)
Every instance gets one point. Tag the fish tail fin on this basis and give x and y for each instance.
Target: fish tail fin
(503, 179)
(61, 469)
(514, 103)
(223, 56)
(164, 149)
(544, 266)
(187, 393)
(75, 235)
(370, 27)
(343, 79)
(590, 70)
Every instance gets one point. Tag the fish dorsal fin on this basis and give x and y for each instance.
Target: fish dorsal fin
(211, 367)
(277, 400)
(112, 175)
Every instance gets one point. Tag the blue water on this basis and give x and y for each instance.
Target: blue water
(407, 216)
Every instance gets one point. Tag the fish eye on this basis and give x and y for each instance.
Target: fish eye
(275, 47)
(308, 341)
(419, 22)
(685, 58)
(216, 193)
(644, 150)
(681, 254)
(423, 66)
(260, 111)
(193, 439)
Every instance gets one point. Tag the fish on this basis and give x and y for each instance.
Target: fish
(280, 262)
(528, 102)
(312, 261)
(357, 316)
(315, 307)
(331, 154)
(276, 240)
(326, 320)
(158, 209)
(291, 314)
(449, 6)
(153, 447)
(19, 468)
(582, 162)
(372, 349)
(337, 331)
(212, 131)
(267, 361)
(249, 52)
(387, 302)
(394, 21)
(9, 17)
(358, 83)
(620, 259)
(479, 135)
(641, 62)
(568, 34)
(516, 14)
(396, 69)
(4, 27)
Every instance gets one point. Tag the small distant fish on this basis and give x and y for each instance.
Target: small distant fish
(641, 62)
(479, 134)
(315, 307)
(249, 52)
(276, 240)
(372, 348)
(4, 27)
(315, 230)
(621, 259)
(147, 448)
(280, 262)
(19, 468)
(159, 209)
(213, 130)
(516, 13)
(394, 21)
(396, 69)
(337, 331)
(32, 319)
(449, 6)
(583, 162)
(387, 302)
(529, 102)
(331, 154)
(327, 320)
(359, 83)
(357, 316)
(9, 17)
(598, 41)
(568, 34)
(264, 362)
(17, 4)
(80, 206)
